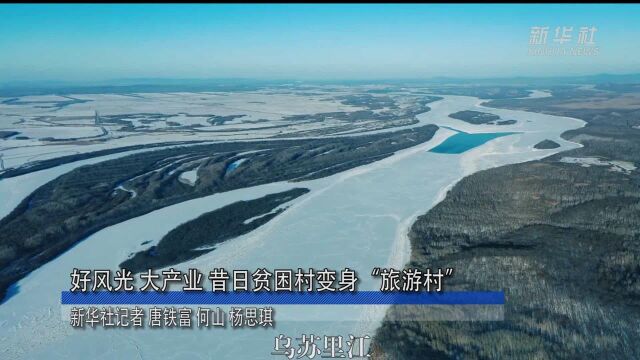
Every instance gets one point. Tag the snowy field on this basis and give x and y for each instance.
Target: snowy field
(357, 219)
(614, 165)
(90, 122)
(50, 126)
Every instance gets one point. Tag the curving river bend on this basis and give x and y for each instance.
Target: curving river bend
(357, 219)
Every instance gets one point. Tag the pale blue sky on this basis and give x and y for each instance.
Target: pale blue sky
(97, 42)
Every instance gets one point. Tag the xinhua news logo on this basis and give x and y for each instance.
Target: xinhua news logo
(563, 42)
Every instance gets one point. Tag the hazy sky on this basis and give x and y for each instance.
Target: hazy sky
(95, 42)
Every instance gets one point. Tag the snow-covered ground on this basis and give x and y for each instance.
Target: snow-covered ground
(14, 190)
(536, 94)
(357, 219)
(132, 193)
(146, 118)
(60, 132)
(614, 165)
(256, 104)
(189, 177)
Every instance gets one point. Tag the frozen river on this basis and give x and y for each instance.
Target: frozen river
(357, 219)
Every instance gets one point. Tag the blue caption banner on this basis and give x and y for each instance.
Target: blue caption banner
(285, 298)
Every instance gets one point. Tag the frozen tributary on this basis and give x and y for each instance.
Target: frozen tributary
(357, 219)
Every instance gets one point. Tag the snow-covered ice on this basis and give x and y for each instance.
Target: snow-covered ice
(357, 219)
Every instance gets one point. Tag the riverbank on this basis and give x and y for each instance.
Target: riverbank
(358, 218)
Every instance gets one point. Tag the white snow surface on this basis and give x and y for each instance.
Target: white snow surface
(357, 219)
(614, 165)
(189, 177)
